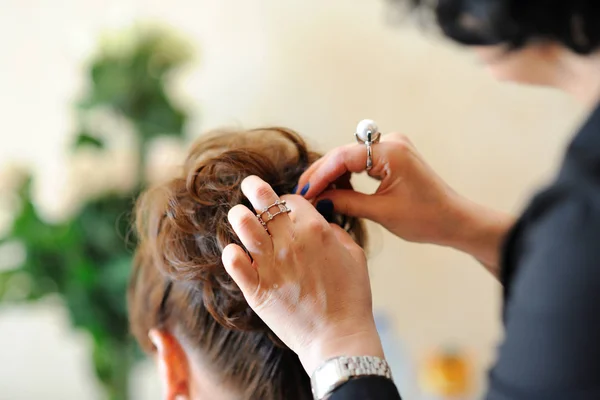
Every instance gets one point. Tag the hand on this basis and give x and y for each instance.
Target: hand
(307, 280)
(412, 201)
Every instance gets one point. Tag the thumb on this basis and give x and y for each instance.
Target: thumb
(239, 266)
(354, 204)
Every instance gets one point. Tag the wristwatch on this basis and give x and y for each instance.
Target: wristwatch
(336, 371)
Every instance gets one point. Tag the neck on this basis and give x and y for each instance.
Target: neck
(580, 77)
(207, 384)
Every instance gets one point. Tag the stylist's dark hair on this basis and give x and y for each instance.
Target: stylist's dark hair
(179, 283)
(573, 23)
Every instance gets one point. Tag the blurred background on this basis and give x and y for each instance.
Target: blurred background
(98, 97)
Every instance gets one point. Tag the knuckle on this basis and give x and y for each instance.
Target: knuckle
(317, 226)
(338, 155)
(236, 214)
(263, 190)
(399, 137)
(246, 221)
(236, 263)
(401, 146)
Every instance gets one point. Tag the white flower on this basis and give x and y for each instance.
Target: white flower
(88, 174)
(113, 129)
(164, 159)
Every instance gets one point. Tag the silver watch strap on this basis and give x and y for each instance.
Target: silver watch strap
(336, 371)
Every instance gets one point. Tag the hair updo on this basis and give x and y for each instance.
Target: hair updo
(572, 23)
(179, 282)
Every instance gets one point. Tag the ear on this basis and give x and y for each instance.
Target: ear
(173, 365)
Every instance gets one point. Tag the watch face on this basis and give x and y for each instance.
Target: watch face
(328, 377)
(329, 373)
(323, 379)
(337, 371)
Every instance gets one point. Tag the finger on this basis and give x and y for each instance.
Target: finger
(261, 195)
(304, 178)
(239, 266)
(305, 182)
(252, 234)
(342, 182)
(354, 204)
(396, 137)
(350, 158)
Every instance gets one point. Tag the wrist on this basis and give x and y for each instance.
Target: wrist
(361, 341)
(479, 231)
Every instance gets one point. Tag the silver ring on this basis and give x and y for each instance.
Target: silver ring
(282, 208)
(368, 134)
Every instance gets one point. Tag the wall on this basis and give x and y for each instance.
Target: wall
(318, 67)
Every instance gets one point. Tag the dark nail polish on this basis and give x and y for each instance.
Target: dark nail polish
(325, 208)
(295, 189)
(305, 189)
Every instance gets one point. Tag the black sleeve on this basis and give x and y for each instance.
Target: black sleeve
(367, 388)
(551, 349)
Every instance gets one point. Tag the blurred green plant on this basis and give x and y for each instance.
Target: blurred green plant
(86, 259)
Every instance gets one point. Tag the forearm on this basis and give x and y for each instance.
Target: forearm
(480, 232)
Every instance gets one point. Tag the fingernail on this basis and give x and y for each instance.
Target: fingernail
(325, 208)
(305, 189)
(295, 189)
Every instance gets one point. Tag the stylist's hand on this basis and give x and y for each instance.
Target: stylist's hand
(307, 280)
(412, 201)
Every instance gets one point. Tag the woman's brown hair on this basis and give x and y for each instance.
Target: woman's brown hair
(179, 282)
